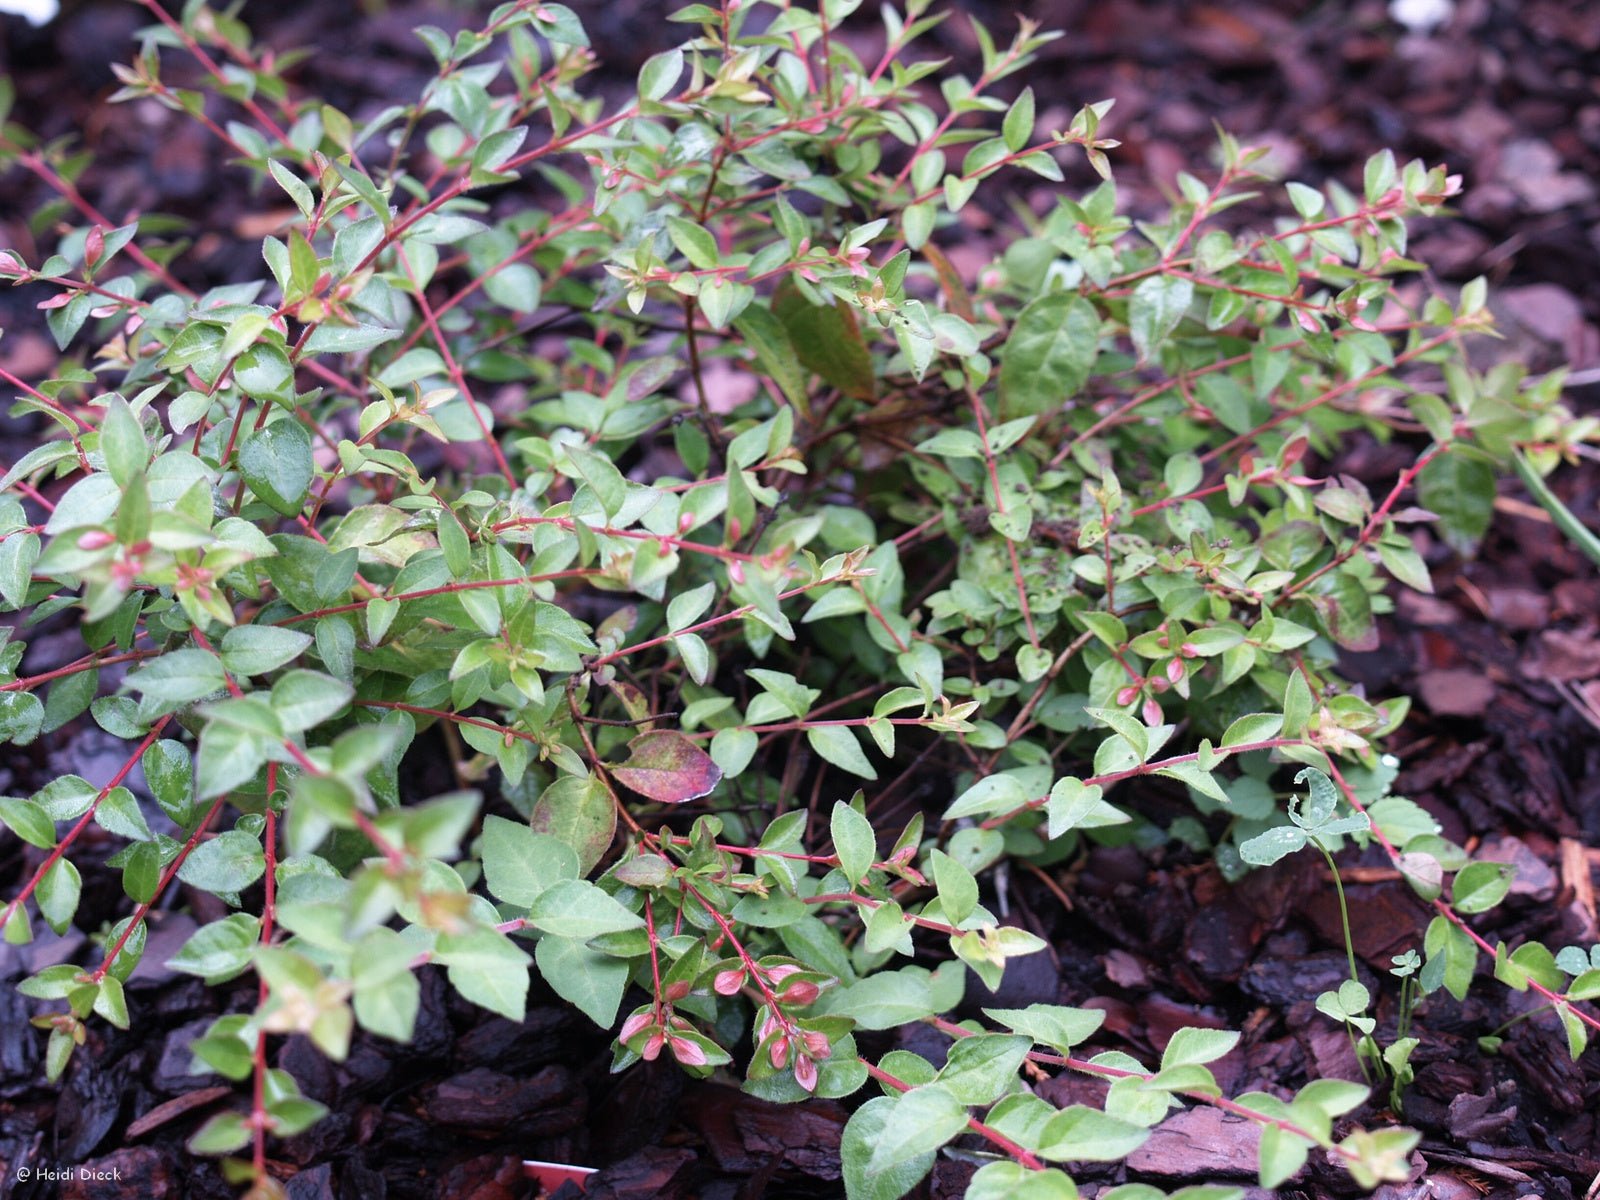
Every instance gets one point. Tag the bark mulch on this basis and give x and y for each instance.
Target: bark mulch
(1504, 660)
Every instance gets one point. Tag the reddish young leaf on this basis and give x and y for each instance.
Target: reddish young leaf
(667, 767)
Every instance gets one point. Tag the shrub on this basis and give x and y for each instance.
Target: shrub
(659, 456)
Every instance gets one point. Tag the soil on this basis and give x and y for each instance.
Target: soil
(1504, 660)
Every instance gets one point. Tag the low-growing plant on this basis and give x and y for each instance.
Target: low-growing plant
(656, 462)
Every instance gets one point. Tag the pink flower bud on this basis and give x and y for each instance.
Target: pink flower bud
(652, 1046)
(1128, 695)
(779, 1052)
(817, 1044)
(800, 993)
(634, 1025)
(1189, 650)
(728, 982)
(805, 1073)
(736, 572)
(782, 971)
(677, 990)
(95, 539)
(94, 245)
(1152, 712)
(689, 1053)
(1175, 670)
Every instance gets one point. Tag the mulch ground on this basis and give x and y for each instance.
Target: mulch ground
(1504, 661)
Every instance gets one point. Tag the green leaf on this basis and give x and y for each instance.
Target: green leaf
(68, 698)
(580, 812)
(1296, 705)
(1048, 355)
(18, 554)
(303, 699)
(1193, 1045)
(1459, 489)
(141, 873)
(220, 950)
(590, 981)
(118, 813)
(294, 186)
(1272, 844)
(732, 750)
(1253, 727)
(1345, 608)
(276, 464)
(263, 371)
(226, 864)
(958, 890)
(221, 1134)
(991, 794)
(229, 755)
(516, 286)
(1082, 1134)
(519, 864)
(57, 894)
(601, 475)
(387, 995)
(1281, 1155)
(1051, 1025)
(886, 999)
(1074, 805)
(21, 717)
(487, 969)
(122, 442)
(1480, 886)
(28, 821)
(1017, 127)
(854, 841)
(180, 676)
(1158, 304)
(838, 745)
(775, 354)
(981, 1069)
(168, 772)
(694, 242)
(1003, 1180)
(921, 1121)
(917, 222)
(686, 608)
(828, 341)
(660, 74)
(257, 649)
(861, 1137)
(110, 1002)
(347, 339)
(576, 908)
(1452, 958)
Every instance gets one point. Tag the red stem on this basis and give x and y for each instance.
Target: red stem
(83, 821)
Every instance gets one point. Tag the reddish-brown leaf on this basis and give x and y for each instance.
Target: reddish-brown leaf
(667, 767)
